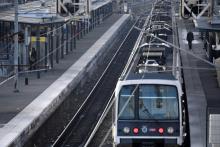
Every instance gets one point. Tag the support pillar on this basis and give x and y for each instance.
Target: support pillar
(26, 54)
(67, 39)
(88, 25)
(78, 30)
(93, 19)
(85, 27)
(38, 51)
(16, 47)
(81, 29)
(71, 36)
(51, 47)
(62, 42)
(46, 48)
(57, 33)
(98, 16)
(74, 34)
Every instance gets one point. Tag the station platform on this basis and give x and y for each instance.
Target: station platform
(23, 112)
(201, 84)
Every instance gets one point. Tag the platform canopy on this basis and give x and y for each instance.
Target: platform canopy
(207, 24)
(37, 12)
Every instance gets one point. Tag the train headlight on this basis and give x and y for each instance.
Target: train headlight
(170, 130)
(126, 130)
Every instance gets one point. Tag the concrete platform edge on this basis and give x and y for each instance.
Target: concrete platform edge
(194, 92)
(21, 127)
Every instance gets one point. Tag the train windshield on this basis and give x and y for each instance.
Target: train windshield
(127, 102)
(158, 102)
(148, 102)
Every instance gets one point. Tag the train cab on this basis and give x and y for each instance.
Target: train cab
(148, 109)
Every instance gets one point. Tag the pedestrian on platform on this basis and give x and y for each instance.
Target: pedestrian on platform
(190, 38)
(33, 58)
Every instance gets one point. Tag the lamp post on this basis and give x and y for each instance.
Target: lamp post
(16, 48)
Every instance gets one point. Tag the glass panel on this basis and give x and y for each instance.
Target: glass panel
(158, 102)
(126, 103)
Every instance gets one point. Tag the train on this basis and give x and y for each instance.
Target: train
(149, 108)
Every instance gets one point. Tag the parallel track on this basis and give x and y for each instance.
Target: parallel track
(82, 124)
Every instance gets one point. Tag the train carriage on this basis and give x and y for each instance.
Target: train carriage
(148, 108)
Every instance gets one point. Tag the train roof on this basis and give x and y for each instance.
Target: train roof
(152, 76)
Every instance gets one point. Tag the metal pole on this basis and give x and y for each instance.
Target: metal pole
(46, 48)
(62, 42)
(26, 53)
(71, 36)
(74, 34)
(38, 51)
(16, 48)
(78, 30)
(57, 43)
(52, 46)
(67, 39)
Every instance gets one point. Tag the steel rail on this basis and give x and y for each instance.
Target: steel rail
(110, 103)
(62, 136)
(133, 53)
(101, 119)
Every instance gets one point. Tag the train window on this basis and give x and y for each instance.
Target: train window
(158, 102)
(126, 103)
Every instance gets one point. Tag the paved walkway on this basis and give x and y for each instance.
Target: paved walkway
(201, 85)
(12, 103)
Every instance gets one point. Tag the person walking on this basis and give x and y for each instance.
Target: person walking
(190, 38)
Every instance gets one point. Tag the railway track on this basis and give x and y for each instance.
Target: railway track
(102, 134)
(46, 134)
(90, 111)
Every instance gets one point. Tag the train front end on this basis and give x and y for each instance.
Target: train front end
(148, 110)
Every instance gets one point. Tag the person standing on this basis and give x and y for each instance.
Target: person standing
(33, 58)
(190, 38)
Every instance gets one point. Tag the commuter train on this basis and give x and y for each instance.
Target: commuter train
(148, 110)
(148, 107)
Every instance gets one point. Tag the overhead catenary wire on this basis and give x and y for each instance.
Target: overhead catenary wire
(109, 130)
(196, 68)
(188, 52)
(181, 67)
(137, 49)
(154, 36)
(132, 56)
(155, 71)
(181, 49)
(151, 38)
(135, 52)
